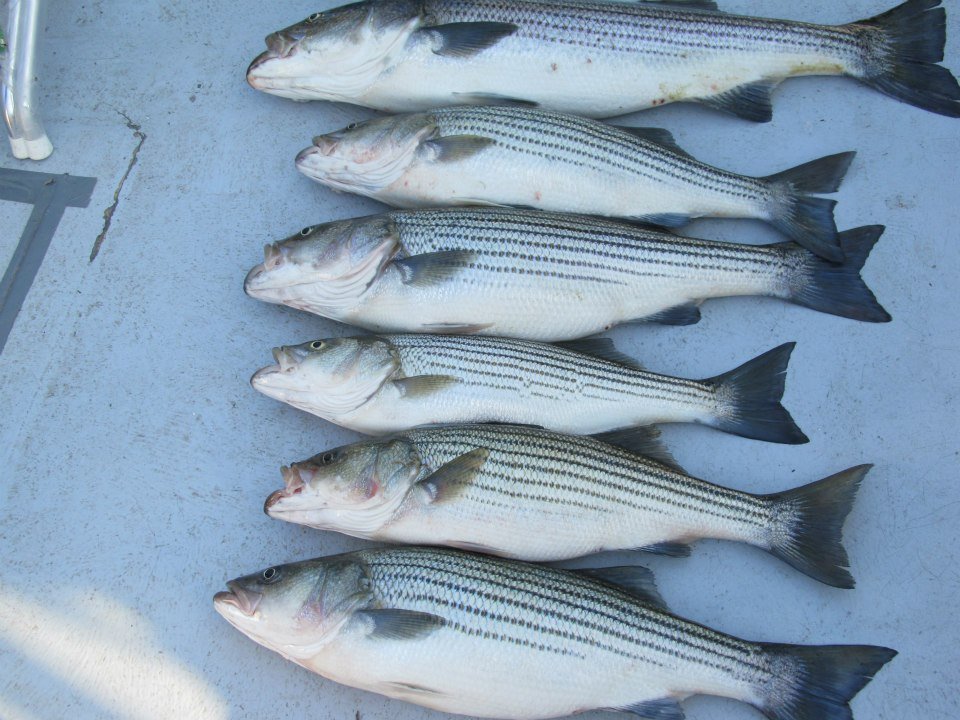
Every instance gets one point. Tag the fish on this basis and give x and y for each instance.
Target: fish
(514, 156)
(531, 494)
(540, 276)
(488, 637)
(596, 59)
(379, 384)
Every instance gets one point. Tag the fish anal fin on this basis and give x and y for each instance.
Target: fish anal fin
(669, 549)
(752, 102)
(477, 98)
(688, 314)
(456, 329)
(663, 709)
(667, 220)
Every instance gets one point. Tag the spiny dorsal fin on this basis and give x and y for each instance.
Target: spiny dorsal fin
(750, 102)
(602, 348)
(634, 579)
(392, 624)
(424, 385)
(657, 136)
(433, 268)
(451, 479)
(643, 441)
(468, 38)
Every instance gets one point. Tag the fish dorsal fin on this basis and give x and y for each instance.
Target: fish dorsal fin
(643, 441)
(454, 148)
(657, 136)
(433, 268)
(451, 479)
(389, 624)
(420, 386)
(701, 5)
(634, 579)
(478, 98)
(688, 314)
(662, 709)
(750, 102)
(602, 348)
(466, 39)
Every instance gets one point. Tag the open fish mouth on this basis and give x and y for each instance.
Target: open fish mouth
(294, 483)
(235, 596)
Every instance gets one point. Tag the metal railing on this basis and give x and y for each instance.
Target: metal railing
(18, 65)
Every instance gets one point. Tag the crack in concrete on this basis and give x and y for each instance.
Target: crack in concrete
(108, 213)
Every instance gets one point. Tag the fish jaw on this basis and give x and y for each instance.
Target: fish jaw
(339, 66)
(237, 604)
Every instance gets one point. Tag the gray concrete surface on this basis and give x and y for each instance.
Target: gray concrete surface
(135, 458)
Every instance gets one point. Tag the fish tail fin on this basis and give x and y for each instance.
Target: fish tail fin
(816, 682)
(901, 50)
(748, 400)
(809, 220)
(806, 530)
(837, 288)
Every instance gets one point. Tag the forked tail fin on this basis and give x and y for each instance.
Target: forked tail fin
(902, 48)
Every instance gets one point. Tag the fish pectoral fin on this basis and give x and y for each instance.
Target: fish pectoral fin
(433, 268)
(455, 329)
(391, 624)
(451, 479)
(670, 549)
(667, 220)
(643, 441)
(420, 386)
(688, 314)
(466, 39)
(634, 579)
(663, 709)
(602, 348)
(458, 147)
(751, 102)
(477, 98)
(657, 136)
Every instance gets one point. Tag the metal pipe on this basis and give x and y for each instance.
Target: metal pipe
(27, 136)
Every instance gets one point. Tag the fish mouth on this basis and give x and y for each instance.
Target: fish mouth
(235, 596)
(295, 480)
(286, 363)
(259, 82)
(253, 276)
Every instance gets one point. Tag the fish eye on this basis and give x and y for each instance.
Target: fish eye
(327, 458)
(316, 345)
(269, 575)
(306, 231)
(313, 18)
(353, 126)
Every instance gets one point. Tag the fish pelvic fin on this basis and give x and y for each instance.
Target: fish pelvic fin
(748, 400)
(816, 682)
(808, 220)
(837, 288)
(901, 50)
(806, 530)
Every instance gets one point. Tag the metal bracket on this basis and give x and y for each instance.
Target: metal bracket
(50, 195)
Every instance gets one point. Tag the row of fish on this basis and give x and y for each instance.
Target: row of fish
(503, 434)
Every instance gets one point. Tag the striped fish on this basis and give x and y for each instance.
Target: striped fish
(513, 156)
(379, 384)
(488, 637)
(597, 59)
(531, 494)
(537, 275)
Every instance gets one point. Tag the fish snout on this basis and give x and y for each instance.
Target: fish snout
(253, 77)
(250, 282)
(274, 498)
(246, 601)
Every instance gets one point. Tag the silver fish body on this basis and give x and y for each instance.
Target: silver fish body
(537, 275)
(536, 495)
(513, 156)
(483, 636)
(596, 59)
(382, 384)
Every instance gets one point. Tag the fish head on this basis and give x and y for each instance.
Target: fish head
(367, 157)
(325, 268)
(337, 54)
(354, 489)
(295, 609)
(329, 377)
